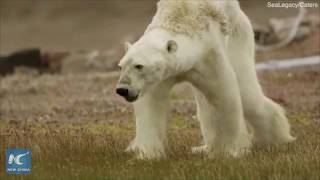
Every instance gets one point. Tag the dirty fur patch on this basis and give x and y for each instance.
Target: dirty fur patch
(181, 17)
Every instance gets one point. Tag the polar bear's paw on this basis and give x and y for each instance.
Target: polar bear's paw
(235, 153)
(132, 147)
(238, 152)
(199, 149)
(144, 151)
(239, 147)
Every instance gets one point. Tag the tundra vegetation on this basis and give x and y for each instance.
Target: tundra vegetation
(77, 127)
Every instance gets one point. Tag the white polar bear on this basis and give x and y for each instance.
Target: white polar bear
(209, 43)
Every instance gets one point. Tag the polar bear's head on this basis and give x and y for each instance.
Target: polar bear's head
(145, 64)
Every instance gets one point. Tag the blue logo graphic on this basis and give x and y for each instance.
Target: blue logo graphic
(18, 161)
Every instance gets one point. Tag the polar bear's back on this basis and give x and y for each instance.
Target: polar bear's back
(191, 17)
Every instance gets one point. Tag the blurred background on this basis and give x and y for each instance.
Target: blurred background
(103, 24)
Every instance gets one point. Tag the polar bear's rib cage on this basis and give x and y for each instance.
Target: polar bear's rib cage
(178, 17)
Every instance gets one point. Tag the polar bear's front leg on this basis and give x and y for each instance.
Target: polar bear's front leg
(225, 130)
(151, 111)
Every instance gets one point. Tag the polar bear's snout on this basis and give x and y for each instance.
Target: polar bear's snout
(127, 92)
(127, 89)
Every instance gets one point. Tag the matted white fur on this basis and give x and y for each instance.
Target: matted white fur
(195, 48)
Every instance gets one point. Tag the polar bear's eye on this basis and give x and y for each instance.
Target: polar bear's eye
(139, 66)
(172, 46)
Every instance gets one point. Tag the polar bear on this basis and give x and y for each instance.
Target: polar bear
(210, 44)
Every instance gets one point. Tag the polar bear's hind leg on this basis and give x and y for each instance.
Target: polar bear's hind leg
(265, 116)
(269, 123)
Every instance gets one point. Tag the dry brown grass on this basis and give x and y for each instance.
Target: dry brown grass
(77, 129)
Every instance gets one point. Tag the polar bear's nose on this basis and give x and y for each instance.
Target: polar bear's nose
(123, 92)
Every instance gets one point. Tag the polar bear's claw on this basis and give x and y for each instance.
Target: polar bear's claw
(199, 149)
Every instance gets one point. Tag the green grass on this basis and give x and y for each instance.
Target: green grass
(77, 136)
(79, 152)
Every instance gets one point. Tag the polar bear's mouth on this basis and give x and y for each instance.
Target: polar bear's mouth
(131, 98)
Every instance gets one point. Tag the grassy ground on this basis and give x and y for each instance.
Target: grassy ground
(77, 128)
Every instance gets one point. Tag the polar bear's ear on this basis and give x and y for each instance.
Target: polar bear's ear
(172, 46)
(127, 46)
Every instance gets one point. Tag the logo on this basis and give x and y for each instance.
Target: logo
(18, 161)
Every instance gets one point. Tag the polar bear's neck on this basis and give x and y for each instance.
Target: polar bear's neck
(187, 17)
